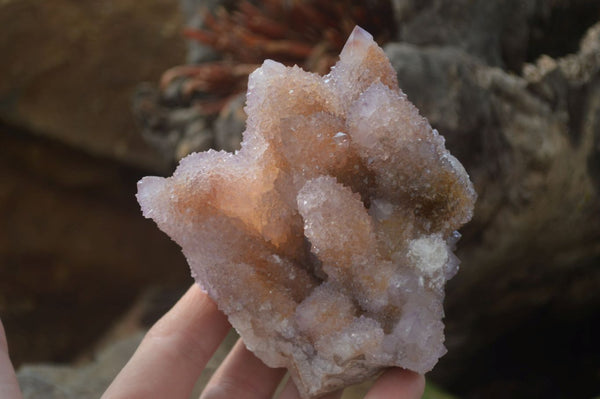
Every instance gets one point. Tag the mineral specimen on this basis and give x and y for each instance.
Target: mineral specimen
(327, 238)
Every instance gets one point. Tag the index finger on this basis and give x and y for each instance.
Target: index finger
(174, 351)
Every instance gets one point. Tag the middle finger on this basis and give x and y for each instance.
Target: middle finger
(242, 375)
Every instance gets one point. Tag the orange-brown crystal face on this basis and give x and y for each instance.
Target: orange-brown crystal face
(327, 238)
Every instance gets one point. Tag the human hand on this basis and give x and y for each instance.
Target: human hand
(177, 348)
(9, 388)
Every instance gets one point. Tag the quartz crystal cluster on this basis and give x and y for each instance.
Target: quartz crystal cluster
(327, 238)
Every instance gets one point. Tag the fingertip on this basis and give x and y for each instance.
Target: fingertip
(175, 350)
(398, 383)
(9, 387)
(243, 375)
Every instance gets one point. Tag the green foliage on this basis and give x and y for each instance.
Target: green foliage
(432, 391)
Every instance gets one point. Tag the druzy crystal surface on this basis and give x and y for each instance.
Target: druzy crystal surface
(327, 238)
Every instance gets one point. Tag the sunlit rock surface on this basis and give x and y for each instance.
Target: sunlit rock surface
(327, 239)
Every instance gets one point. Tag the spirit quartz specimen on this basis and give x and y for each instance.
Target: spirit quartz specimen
(327, 238)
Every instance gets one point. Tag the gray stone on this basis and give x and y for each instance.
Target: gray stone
(530, 144)
(89, 381)
(495, 31)
(230, 124)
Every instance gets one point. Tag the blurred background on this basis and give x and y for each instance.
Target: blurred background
(95, 94)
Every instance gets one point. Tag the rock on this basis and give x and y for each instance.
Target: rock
(91, 374)
(494, 31)
(74, 67)
(530, 144)
(175, 133)
(327, 238)
(74, 251)
(51, 381)
(228, 127)
(504, 33)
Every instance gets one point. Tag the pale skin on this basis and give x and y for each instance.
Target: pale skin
(176, 349)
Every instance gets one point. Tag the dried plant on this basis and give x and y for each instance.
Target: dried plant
(308, 33)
